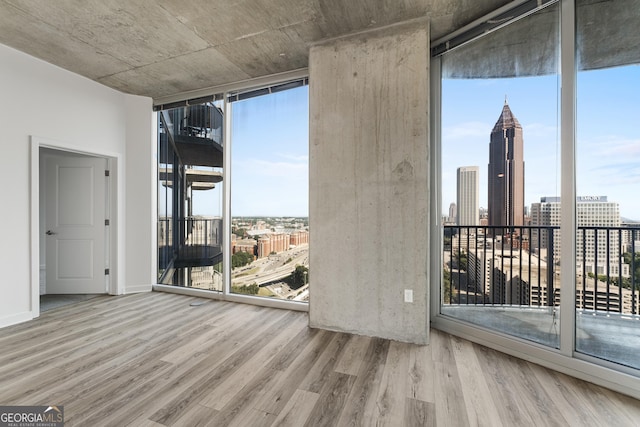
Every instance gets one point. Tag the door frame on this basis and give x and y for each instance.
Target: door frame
(113, 212)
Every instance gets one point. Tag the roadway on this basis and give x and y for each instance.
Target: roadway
(273, 268)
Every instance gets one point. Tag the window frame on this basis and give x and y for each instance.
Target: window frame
(228, 94)
(565, 359)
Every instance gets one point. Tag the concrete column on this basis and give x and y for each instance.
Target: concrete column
(369, 184)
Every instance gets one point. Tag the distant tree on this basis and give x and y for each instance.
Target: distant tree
(298, 278)
(240, 232)
(447, 243)
(251, 289)
(626, 282)
(240, 259)
(446, 287)
(461, 260)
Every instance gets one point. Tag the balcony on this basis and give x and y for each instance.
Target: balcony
(194, 262)
(508, 280)
(195, 132)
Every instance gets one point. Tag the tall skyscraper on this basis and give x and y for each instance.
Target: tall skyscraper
(506, 171)
(453, 213)
(468, 195)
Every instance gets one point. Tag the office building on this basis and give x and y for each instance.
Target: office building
(597, 251)
(506, 171)
(468, 195)
(453, 214)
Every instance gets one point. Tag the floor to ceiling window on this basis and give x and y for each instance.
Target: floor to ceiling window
(500, 179)
(190, 219)
(551, 87)
(256, 174)
(607, 180)
(269, 194)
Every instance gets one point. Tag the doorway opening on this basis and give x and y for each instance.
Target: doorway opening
(72, 198)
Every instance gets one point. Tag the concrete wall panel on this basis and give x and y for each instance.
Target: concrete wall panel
(369, 183)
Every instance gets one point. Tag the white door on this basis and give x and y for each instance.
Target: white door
(75, 225)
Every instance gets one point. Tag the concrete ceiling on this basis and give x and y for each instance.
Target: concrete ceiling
(160, 48)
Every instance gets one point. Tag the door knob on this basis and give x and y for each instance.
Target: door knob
(50, 233)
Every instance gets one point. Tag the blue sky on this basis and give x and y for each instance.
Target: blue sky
(270, 155)
(270, 141)
(608, 135)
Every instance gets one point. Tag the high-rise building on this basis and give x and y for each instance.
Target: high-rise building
(453, 213)
(468, 196)
(506, 171)
(598, 250)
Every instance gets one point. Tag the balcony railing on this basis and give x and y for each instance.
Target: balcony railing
(201, 121)
(194, 133)
(200, 242)
(520, 267)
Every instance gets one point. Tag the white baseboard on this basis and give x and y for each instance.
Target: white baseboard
(136, 289)
(16, 318)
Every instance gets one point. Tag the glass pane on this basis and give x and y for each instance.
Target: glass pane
(161, 199)
(269, 200)
(501, 224)
(608, 176)
(190, 195)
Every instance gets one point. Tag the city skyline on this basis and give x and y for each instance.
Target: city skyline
(607, 136)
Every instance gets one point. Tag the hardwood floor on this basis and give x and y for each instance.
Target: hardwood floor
(153, 359)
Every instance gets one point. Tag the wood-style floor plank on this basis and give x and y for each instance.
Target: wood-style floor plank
(362, 398)
(274, 399)
(450, 403)
(481, 408)
(325, 365)
(350, 359)
(191, 396)
(333, 397)
(565, 397)
(510, 405)
(390, 402)
(154, 360)
(221, 395)
(419, 413)
(421, 375)
(298, 409)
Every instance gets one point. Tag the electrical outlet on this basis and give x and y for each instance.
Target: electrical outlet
(408, 295)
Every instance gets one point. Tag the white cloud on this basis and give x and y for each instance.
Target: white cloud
(616, 159)
(619, 147)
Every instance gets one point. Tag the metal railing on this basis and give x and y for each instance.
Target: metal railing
(202, 231)
(200, 241)
(520, 266)
(202, 121)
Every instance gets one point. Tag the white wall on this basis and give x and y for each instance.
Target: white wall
(368, 183)
(141, 196)
(45, 101)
